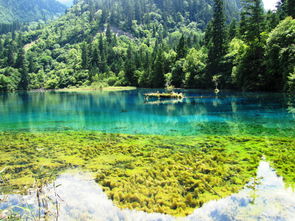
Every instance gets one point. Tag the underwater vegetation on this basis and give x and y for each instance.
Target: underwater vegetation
(166, 174)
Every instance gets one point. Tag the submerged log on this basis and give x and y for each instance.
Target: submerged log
(164, 95)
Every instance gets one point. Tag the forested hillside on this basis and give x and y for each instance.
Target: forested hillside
(29, 10)
(151, 43)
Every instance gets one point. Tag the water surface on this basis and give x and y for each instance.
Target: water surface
(201, 112)
(258, 124)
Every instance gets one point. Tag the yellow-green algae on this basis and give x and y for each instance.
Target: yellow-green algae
(172, 175)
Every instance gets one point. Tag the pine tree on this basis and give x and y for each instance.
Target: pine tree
(84, 56)
(291, 8)
(254, 19)
(109, 34)
(242, 25)
(232, 30)
(251, 70)
(271, 20)
(181, 48)
(20, 59)
(130, 67)
(89, 55)
(157, 78)
(95, 58)
(22, 66)
(178, 74)
(217, 48)
(208, 34)
(10, 56)
(1, 49)
(31, 63)
(103, 56)
(101, 45)
(19, 40)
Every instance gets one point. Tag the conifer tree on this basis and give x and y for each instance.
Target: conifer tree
(31, 63)
(253, 19)
(109, 34)
(101, 45)
(158, 79)
(1, 48)
(95, 58)
(22, 66)
(291, 8)
(251, 70)
(10, 56)
(232, 30)
(217, 47)
(181, 48)
(130, 67)
(20, 60)
(84, 56)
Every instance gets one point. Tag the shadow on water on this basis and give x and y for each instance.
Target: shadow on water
(76, 196)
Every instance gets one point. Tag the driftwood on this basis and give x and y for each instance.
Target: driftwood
(164, 95)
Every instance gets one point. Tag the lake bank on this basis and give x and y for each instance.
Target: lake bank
(96, 88)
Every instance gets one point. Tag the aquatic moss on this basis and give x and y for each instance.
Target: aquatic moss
(167, 174)
(241, 128)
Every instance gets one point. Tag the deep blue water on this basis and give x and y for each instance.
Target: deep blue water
(201, 112)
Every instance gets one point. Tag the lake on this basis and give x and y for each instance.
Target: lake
(128, 112)
(118, 156)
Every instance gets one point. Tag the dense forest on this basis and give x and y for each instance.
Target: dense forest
(157, 44)
(29, 10)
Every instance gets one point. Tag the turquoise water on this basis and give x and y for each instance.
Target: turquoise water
(201, 112)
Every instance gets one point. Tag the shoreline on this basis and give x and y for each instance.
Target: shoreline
(91, 88)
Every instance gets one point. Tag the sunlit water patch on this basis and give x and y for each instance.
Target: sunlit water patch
(80, 198)
(201, 112)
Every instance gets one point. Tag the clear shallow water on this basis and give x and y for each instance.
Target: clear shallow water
(80, 198)
(127, 112)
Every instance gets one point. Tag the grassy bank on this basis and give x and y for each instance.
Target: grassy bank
(165, 174)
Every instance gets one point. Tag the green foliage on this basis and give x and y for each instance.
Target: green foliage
(150, 43)
(236, 51)
(250, 70)
(29, 10)
(9, 79)
(194, 68)
(253, 20)
(217, 42)
(280, 56)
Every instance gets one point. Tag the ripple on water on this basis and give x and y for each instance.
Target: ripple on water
(80, 198)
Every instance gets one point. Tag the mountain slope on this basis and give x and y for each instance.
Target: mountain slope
(169, 13)
(121, 42)
(29, 10)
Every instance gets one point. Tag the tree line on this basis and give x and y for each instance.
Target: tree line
(94, 43)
